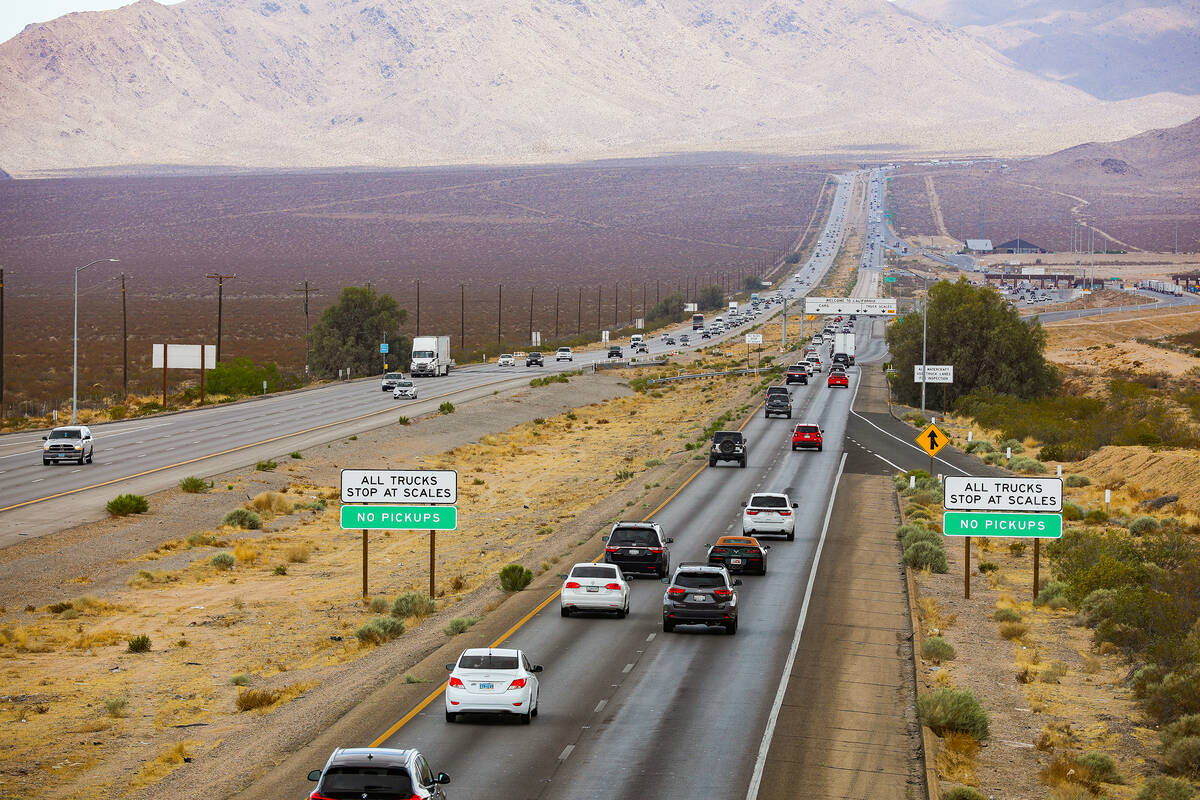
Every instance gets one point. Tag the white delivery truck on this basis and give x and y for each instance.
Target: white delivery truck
(431, 356)
(843, 344)
(733, 306)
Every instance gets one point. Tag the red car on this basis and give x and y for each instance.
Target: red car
(837, 378)
(806, 434)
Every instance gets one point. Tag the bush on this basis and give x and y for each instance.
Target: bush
(459, 625)
(446, 408)
(937, 650)
(115, 707)
(1100, 767)
(139, 644)
(1071, 511)
(1006, 615)
(240, 679)
(280, 569)
(1052, 452)
(222, 561)
(993, 459)
(1176, 696)
(1184, 727)
(125, 504)
(920, 535)
(380, 630)
(1183, 756)
(1026, 465)
(514, 577)
(242, 518)
(947, 710)
(265, 466)
(1160, 787)
(1097, 516)
(1143, 525)
(988, 566)
(979, 446)
(1017, 547)
(963, 793)
(403, 420)
(926, 555)
(194, 485)
(240, 377)
(1097, 606)
(1005, 444)
(1013, 630)
(250, 699)
(1052, 593)
(296, 454)
(1075, 481)
(413, 604)
(905, 530)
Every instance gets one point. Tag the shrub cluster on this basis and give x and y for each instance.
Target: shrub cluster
(953, 710)
(194, 485)
(242, 518)
(413, 604)
(125, 504)
(380, 630)
(937, 650)
(514, 577)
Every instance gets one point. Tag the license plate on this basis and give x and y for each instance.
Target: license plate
(487, 686)
(735, 561)
(698, 598)
(593, 588)
(633, 552)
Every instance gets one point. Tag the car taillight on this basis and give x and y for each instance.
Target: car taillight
(723, 592)
(612, 586)
(675, 591)
(519, 683)
(785, 513)
(717, 551)
(455, 681)
(655, 550)
(611, 549)
(572, 585)
(750, 513)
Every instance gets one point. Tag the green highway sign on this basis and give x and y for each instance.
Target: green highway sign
(890, 279)
(400, 518)
(984, 523)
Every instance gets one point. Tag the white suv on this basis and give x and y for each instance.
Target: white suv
(68, 443)
(770, 512)
(564, 354)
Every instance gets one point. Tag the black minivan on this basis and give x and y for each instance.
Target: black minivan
(638, 547)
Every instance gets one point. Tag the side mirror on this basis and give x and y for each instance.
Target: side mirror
(536, 668)
(664, 580)
(449, 668)
(562, 576)
(766, 547)
(669, 540)
(795, 505)
(442, 778)
(45, 437)
(604, 538)
(315, 775)
(737, 581)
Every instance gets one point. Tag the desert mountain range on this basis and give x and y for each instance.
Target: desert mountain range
(324, 83)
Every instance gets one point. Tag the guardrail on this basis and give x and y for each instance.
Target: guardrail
(754, 371)
(625, 363)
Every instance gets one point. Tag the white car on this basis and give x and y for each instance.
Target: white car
(492, 681)
(506, 360)
(404, 390)
(564, 354)
(770, 512)
(815, 362)
(68, 443)
(595, 587)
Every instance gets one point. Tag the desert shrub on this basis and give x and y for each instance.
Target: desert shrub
(1143, 525)
(245, 552)
(1096, 606)
(117, 412)
(222, 561)
(378, 605)
(993, 459)
(1175, 696)
(1053, 673)
(446, 408)
(1184, 727)
(1005, 444)
(139, 644)
(1183, 756)
(459, 625)
(1013, 630)
(963, 793)
(204, 540)
(403, 420)
(988, 566)
(1050, 593)
(926, 555)
(1160, 787)
(296, 454)
(413, 604)
(514, 577)
(125, 504)
(980, 446)
(1026, 465)
(1017, 547)
(1097, 516)
(937, 650)
(1052, 452)
(265, 466)
(280, 569)
(250, 699)
(1006, 615)
(380, 630)
(299, 553)
(916, 513)
(115, 706)
(271, 503)
(1075, 481)
(242, 518)
(904, 530)
(240, 679)
(193, 485)
(945, 710)
(1071, 511)
(920, 535)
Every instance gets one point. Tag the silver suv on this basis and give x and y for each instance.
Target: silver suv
(701, 594)
(377, 773)
(68, 443)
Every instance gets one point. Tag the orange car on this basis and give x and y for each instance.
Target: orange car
(739, 554)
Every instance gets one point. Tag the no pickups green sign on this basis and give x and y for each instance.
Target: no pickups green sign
(1040, 526)
(400, 518)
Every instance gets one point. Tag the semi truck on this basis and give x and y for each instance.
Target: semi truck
(431, 356)
(733, 306)
(697, 322)
(843, 343)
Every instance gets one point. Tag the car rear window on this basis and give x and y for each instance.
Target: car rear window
(807, 429)
(593, 572)
(699, 580)
(385, 783)
(487, 661)
(768, 501)
(635, 536)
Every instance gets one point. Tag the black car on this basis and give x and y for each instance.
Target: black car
(638, 547)
(534, 359)
(614, 351)
(780, 404)
(377, 772)
(797, 373)
(739, 554)
(701, 594)
(728, 446)
(841, 358)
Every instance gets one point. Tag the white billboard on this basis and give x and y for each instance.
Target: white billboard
(753, 338)
(434, 486)
(934, 373)
(967, 493)
(873, 306)
(183, 356)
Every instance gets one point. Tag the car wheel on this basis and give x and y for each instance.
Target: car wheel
(791, 537)
(622, 613)
(564, 611)
(668, 627)
(451, 716)
(743, 463)
(45, 462)
(712, 462)
(819, 448)
(82, 459)
(534, 712)
(527, 718)
(91, 456)
(731, 627)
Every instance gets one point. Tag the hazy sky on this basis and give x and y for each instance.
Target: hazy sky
(16, 14)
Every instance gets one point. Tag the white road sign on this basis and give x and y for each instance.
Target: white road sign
(850, 305)
(934, 373)
(753, 338)
(966, 493)
(183, 356)
(432, 486)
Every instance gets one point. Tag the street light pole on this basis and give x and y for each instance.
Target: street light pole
(75, 338)
(924, 337)
(220, 300)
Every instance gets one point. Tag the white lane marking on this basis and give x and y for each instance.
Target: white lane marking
(600, 706)
(566, 752)
(37, 480)
(761, 762)
(628, 667)
(143, 455)
(897, 438)
(650, 638)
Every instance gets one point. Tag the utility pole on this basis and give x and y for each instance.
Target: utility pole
(220, 279)
(1, 342)
(462, 315)
(579, 314)
(599, 295)
(418, 332)
(499, 300)
(531, 316)
(556, 291)
(124, 344)
(616, 303)
(307, 291)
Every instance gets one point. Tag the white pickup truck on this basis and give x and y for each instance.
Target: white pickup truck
(68, 443)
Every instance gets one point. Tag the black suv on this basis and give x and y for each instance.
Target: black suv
(778, 403)
(534, 359)
(614, 351)
(638, 547)
(377, 773)
(728, 446)
(841, 358)
(701, 594)
(797, 373)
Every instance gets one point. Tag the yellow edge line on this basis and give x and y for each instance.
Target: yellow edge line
(233, 450)
(407, 718)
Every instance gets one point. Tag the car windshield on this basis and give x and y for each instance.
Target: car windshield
(422, 354)
(391, 376)
(593, 572)
(487, 661)
(768, 501)
(381, 782)
(700, 580)
(404, 384)
(75, 434)
(506, 355)
(642, 537)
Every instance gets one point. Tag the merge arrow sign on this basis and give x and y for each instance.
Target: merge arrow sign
(932, 439)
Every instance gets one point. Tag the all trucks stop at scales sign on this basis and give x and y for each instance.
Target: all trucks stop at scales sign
(434, 486)
(967, 493)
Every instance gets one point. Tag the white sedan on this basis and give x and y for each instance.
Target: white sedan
(492, 681)
(506, 360)
(770, 512)
(404, 390)
(595, 587)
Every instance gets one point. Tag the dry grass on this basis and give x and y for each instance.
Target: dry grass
(1013, 630)
(245, 551)
(931, 612)
(270, 504)
(163, 764)
(1056, 735)
(145, 578)
(92, 640)
(299, 553)
(264, 700)
(956, 758)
